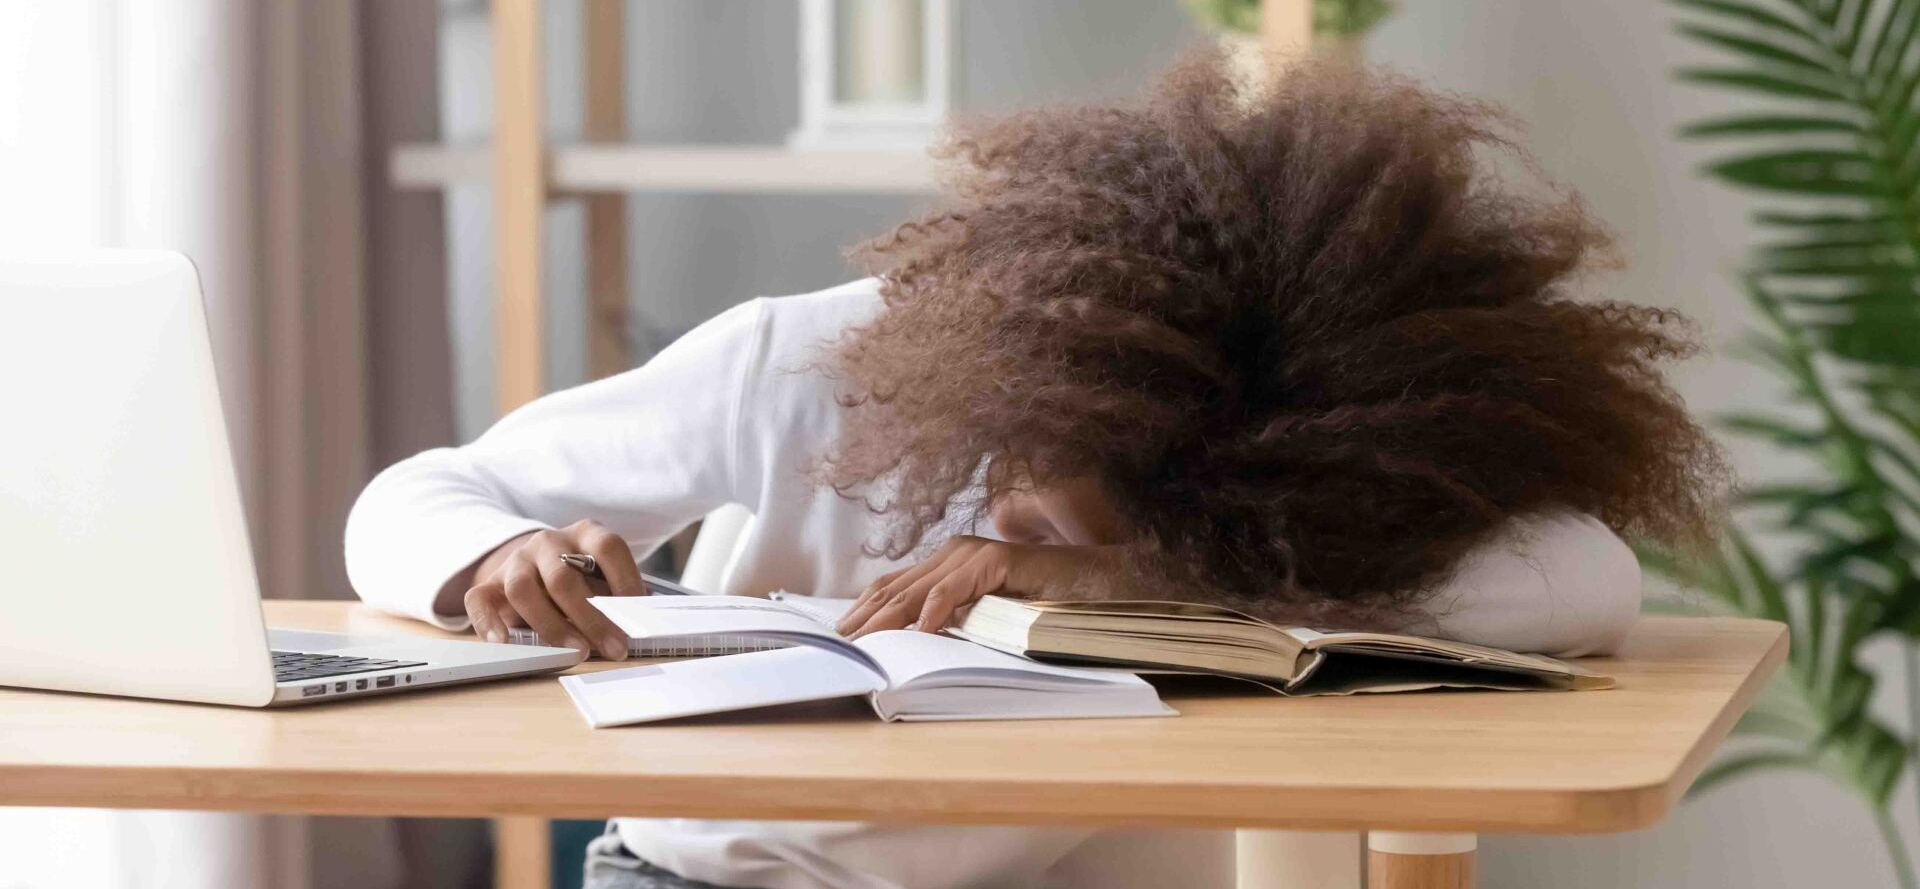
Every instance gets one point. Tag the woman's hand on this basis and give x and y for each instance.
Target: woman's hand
(523, 583)
(931, 593)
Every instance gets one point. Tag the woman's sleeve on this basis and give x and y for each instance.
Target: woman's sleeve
(1557, 583)
(643, 453)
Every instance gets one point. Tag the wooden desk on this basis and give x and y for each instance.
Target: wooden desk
(1448, 762)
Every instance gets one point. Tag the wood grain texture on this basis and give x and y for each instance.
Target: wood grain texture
(1386, 870)
(605, 37)
(522, 853)
(519, 203)
(1458, 761)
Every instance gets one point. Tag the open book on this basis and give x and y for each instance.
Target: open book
(827, 611)
(905, 675)
(1184, 637)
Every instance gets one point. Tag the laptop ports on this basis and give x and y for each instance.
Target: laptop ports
(383, 682)
(307, 691)
(339, 686)
(359, 685)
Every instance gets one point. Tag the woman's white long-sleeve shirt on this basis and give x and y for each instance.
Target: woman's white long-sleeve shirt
(737, 412)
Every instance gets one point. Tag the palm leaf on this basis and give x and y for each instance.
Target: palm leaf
(1854, 222)
(1902, 25)
(1854, 28)
(1804, 171)
(1770, 124)
(1815, 715)
(1729, 767)
(1853, 61)
(1747, 14)
(1763, 51)
(1763, 82)
(1872, 762)
(1770, 601)
(1764, 426)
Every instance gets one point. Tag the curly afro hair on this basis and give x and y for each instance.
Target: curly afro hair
(1313, 347)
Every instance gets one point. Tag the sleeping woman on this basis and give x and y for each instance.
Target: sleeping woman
(1297, 349)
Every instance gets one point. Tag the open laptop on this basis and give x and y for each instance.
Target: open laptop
(127, 569)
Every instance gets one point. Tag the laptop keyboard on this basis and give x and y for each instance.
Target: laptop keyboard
(293, 666)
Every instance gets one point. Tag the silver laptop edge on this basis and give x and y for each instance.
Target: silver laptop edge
(120, 512)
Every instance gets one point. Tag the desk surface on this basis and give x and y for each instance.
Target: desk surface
(1479, 761)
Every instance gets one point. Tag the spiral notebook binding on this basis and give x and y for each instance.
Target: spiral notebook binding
(691, 646)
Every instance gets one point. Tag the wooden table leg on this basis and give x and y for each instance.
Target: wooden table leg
(1397, 860)
(522, 853)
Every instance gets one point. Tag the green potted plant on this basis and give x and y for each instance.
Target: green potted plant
(1827, 140)
(1339, 26)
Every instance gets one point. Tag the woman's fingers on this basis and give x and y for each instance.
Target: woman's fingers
(528, 585)
(909, 593)
(528, 595)
(935, 597)
(882, 582)
(569, 591)
(484, 602)
(890, 585)
(877, 594)
(885, 590)
(896, 614)
(614, 557)
(985, 571)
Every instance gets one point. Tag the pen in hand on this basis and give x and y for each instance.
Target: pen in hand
(589, 566)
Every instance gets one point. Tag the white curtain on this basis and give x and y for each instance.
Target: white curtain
(230, 130)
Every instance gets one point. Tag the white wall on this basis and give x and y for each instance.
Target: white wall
(1592, 79)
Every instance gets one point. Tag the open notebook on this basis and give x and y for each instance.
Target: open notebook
(826, 611)
(904, 675)
(1185, 637)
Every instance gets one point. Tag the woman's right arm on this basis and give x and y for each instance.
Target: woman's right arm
(458, 534)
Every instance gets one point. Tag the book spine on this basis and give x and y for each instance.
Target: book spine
(691, 646)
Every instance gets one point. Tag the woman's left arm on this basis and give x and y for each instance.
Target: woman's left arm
(1557, 582)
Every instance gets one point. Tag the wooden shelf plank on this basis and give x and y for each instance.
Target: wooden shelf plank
(736, 168)
(604, 168)
(425, 165)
